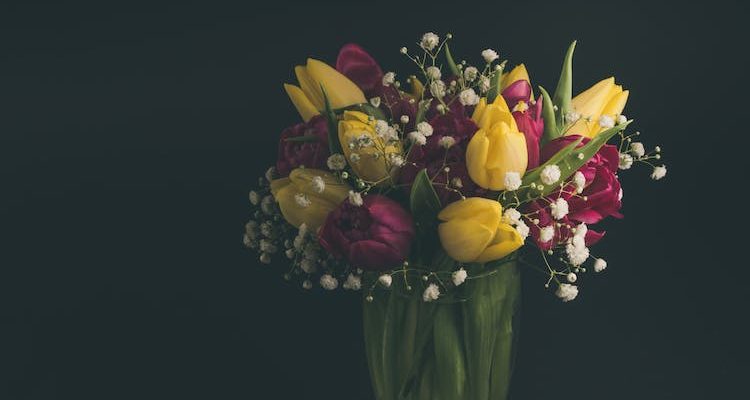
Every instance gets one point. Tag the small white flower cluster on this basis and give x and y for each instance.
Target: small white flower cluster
(385, 131)
(512, 217)
(512, 180)
(336, 162)
(550, 174)
(559, 208)
(576, 249)
(419, 137)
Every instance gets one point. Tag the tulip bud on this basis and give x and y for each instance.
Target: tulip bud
(302, 198)
(372, 161)
(472, 231)
(605, 98)
(497, 147)
(313, 78)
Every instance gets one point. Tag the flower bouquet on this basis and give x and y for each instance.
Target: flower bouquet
(430, 194)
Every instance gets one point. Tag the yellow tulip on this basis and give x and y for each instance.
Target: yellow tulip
(472, 231)
(371, 163)
(604, 98)
(302, 198)
(308, 96)
(518, 73)
(497, 147)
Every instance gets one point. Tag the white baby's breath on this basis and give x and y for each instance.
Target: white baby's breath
(659, 172)
(567, 292)
(459, 276)
(489, 55)
(328, 282)
(432, 292)
(512, 180)
(559, 208)
(550, 174)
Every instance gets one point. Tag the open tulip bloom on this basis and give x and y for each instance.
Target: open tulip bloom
(428, 193)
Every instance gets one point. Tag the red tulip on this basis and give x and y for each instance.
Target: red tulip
(311, 154)
(374, 236)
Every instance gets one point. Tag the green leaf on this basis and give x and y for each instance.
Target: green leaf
(551, 131)
(423, 201)
(495, 84)
(564, 91)
(368, 109)
(333, 125)
(569, 160)
(451, 62)
(424, 105)
(425, 205)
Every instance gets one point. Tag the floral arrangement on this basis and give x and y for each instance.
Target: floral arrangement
(428, 194)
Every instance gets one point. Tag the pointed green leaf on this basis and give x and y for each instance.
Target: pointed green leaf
(551, 131)
(451, 62)
(569, 160)
(333, 125)
(424, 202)
(368, 109)
(495, 83)
(564, 91)
(424, 105)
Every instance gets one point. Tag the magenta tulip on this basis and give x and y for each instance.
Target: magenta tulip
(376, 235)
(311, 153)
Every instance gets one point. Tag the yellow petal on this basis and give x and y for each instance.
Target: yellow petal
(314, 215)
(496, 113)
(507, 153)
(613, 108)
(417, 88)
(303, 105)
(476, 157)
(356, 116)
(464, 240)
(479, 110)
(335, 191)
(278, 184)
(310, 87)
(341, 91)
(516, 74)
(505, 241)
(470, 208)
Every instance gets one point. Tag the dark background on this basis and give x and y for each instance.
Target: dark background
(131, 133)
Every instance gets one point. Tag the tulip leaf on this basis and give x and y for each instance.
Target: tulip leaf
(451, 62)
(425, 205)
(551, 131)
(569, 160)
(302, 139)
(333, 125)
(424, 105)
(495, 83)
(564, 90)
(370, 110)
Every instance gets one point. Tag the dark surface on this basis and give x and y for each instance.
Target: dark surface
(130, 135)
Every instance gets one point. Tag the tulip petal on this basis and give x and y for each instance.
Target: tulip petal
(335, 191)
(470, 208)
(313, 215)
(589, 104)
(518, 73)
(464, 240)
(476, 157)
(310, 87)
(341, 91)
(505, 241)
(303, 105)
(613, 108)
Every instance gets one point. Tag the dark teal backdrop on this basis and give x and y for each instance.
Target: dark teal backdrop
(131, 133)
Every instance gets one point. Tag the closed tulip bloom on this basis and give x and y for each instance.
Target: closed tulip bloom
(497, 147)
(369, 161)
(472, 231)
(518, 73)
(308, 96)
(603, 99)
(308, 196)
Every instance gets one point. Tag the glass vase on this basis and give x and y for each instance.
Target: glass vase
(460, 346)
